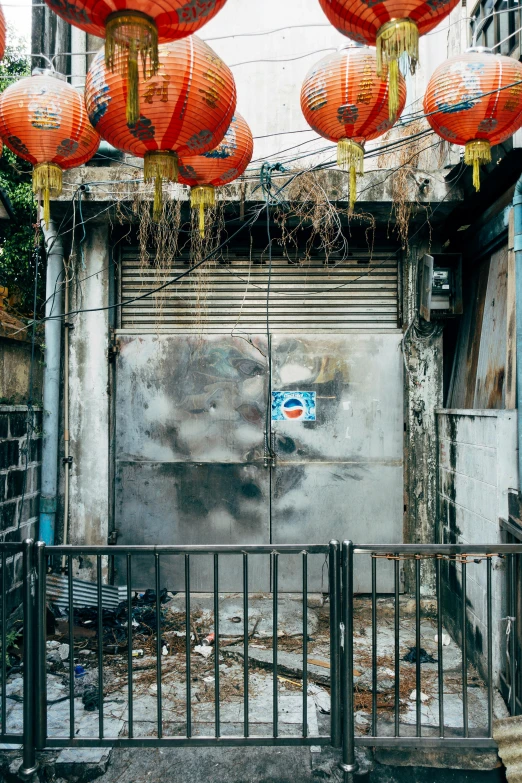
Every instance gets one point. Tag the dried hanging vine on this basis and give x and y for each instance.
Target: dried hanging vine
(200, 248)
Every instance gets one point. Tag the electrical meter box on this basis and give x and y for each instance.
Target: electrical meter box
(441, 286)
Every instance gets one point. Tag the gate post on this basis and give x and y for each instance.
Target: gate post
(349, 764)
(29, 764)
(334, 563)
(40, 647)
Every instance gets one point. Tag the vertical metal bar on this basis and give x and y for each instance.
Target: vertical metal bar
(513, 635)
(305, 643)
(440, 665)
(100, 642)
(188, 674)
(246, 727)
(275, 624)
(71, 644)
(4, 651)
(334, 572)
(29, 752)
(489, 646)
(216, 648)
(349, 765)
(159, 646)
(41, 648)
(397, 576)
(464, 652)
(130, 690)
(374, 646)
(418, 647)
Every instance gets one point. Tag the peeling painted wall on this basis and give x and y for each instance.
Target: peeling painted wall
(477, 466)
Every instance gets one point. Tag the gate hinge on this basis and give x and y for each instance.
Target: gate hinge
(112, 539)
(114, 350)
(67, 460)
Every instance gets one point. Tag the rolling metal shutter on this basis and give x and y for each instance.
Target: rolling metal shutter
(360, 293)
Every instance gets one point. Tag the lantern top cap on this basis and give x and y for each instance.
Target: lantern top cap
(352, 45)
(48, 72)
(478, 50)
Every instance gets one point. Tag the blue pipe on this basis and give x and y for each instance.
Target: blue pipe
(51, 383)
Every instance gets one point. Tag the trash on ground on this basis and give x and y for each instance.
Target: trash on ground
(446, 639)
(423, 696)
(206, 652)
(423, 656)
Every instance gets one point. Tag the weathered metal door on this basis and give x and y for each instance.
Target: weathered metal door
(198, 459)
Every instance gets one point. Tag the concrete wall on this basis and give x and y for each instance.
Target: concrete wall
(19, 486)
(15, 362)
(477, 467)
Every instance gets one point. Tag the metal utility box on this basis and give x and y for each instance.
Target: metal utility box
(441, 285)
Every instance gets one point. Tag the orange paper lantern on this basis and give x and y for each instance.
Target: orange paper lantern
(2, 33)
(475, 99)
(44, 121)
(345, 101)
(393, 26)
(184, 110)
(223, 164)
(133, 29)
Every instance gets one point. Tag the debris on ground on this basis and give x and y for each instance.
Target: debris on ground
(422, 655)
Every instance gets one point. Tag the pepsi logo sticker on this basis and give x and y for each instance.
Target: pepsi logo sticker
(293, 406)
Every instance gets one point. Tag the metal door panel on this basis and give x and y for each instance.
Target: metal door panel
(342, 475)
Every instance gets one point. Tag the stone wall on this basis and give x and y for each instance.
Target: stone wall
(477, 466)
(20, 462)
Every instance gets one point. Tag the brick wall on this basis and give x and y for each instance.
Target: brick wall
(477, 466)
(18, 517)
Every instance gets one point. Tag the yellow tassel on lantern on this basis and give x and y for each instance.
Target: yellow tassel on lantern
(160, 165)
(47, 180)
(350, 157)
(200, 197)
(393, 39)
(129, 36)
(476, 153)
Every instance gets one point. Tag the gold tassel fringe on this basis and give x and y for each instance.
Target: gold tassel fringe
(129, 36)
(160, 165)
(350, 157)
(476, 153)
(393, 39)
(47, 180)
(202, 196)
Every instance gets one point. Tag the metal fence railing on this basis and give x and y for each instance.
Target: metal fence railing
(406, 686)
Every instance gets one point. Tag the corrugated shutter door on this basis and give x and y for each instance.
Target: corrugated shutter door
(360, 293)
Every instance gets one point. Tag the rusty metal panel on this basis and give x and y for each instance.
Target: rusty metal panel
(343, 473)
(491, 367)
(190, 421)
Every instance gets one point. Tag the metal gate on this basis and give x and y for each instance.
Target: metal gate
(198, 458)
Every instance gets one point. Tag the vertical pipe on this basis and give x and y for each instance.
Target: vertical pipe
(41, 647)
(71, 646)
(188, 691)
(4, 651)
(100, 642)
(67, 467)
(513, 635)
(51, 382)
(159, 647)
(374, 646)
(216, 647)
(489, 647)
(305, 643)
(130, 696)
(418, 720)
(29, 764)
(440, 665)
(464, 652)
(246, 728)
(349, 764)
(275, 624)
(335, 641)
(397, 647)
(517, 205)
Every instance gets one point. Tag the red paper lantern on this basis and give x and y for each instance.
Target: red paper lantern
(43, 120)
(393, 26)
(2, 33)
(475, 99)
(184, 110)
(218, 167)
(345, 101)
(133, 29)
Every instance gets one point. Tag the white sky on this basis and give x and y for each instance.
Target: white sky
(18, 14)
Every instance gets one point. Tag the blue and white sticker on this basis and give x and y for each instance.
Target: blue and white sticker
(293, 406)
